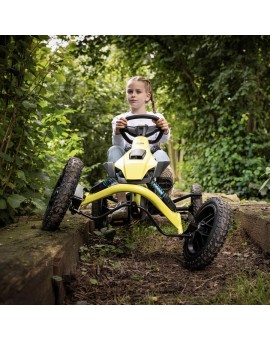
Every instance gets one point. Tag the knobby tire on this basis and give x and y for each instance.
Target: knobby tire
(62, 194)
(212, 224)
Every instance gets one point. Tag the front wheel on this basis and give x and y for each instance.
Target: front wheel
(212, 224)
(62, 194)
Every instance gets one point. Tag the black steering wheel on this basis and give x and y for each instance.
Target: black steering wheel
(142, 130)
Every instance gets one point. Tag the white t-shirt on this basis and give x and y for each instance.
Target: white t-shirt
(119, 140)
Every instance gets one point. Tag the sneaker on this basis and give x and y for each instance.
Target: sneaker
(120, 214)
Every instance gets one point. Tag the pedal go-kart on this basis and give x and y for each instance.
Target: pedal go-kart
(138, 174)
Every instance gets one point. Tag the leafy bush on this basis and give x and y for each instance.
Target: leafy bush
(264, 189)
(35, 134)
(226, 165)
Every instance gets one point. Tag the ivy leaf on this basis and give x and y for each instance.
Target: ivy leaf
(3, 204)
(38, 122)
(60, 77)
(21, 175)
(75, 152)
(28, 105)
(50, 134)
(264, 185)
(39, 204)
(15, 200)
(5, 156)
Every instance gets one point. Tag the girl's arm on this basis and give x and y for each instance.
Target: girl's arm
(163, 124)
(118, 123)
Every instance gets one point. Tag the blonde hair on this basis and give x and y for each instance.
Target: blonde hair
(148, 88)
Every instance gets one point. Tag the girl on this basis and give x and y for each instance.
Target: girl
(138, 94)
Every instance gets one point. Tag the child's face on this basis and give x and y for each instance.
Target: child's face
(137, 96)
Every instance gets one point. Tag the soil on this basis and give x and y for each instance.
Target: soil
(140, 266)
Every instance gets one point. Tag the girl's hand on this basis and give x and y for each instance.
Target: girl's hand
(120, 124)
(163, 124)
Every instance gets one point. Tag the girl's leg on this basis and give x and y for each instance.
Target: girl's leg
(161, 155)
(167, 175)
(114, 153)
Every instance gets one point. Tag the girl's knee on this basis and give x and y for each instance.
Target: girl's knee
(114, 153)
(161, 155)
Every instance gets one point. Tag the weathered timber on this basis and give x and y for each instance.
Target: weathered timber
(34, 264)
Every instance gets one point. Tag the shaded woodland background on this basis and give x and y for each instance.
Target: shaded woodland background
(59, 94)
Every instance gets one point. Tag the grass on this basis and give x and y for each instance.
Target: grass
(145, 260)
(245, 289)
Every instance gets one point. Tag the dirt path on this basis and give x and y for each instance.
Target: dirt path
(143, 267)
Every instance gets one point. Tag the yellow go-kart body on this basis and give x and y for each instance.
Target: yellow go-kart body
(134, 165)
(139, 175)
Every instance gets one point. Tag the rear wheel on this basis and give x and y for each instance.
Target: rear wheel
(99, 207)
(212, 223)
(196, 202)
(62, 194)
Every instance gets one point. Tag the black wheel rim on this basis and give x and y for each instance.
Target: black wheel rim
(206, 221)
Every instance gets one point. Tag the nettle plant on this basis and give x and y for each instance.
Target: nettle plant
(266, 185)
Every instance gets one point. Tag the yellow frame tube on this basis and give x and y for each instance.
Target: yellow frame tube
(172, 216)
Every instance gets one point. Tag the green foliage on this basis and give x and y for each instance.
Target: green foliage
(266, 185)
(245, 289)
(58, 96)
(34, 124)
(227, 164)
(96, 88)
(214, 92)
